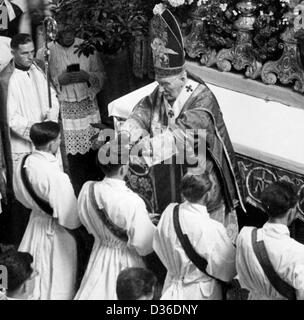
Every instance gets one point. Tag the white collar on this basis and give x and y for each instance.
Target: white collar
(114, 181)
(196, 208)
(182, 98)
(46, 155)
(276, 230)
(31, 69)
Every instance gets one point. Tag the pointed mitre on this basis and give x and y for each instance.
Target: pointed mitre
(167, 44)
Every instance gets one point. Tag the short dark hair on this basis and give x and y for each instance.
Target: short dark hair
(193, 187)
(278, 198)
(109, 169)
(42, 133)
(112, 155)
(133, 283)
(20, 38)
(18, 265)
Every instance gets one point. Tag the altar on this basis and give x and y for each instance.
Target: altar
(266, 134)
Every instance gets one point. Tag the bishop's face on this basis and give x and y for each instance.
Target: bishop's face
(171, 87)
(24, 55)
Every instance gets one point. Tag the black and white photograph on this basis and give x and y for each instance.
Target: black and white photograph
(152, 150)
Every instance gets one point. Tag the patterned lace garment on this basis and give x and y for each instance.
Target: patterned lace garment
(78, 141)
(78, 109)
(77, 118)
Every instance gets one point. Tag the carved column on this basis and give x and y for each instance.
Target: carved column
(288, 68)
(240, 56)
(194, 44)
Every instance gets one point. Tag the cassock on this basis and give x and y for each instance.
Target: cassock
(196, 108)
(27, 103)
(23, 101)
(286, 256)
(52, 246)
(110, 255)
(78, 101)
(184, 281)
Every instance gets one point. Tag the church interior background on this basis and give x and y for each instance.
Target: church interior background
(250, 53)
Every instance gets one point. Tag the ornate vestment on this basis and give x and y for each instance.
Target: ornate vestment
(198, 110)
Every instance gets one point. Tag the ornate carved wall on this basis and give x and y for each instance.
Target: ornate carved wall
(257, 175)
(279, 33)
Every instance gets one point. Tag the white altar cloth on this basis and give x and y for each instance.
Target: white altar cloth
(267, 131)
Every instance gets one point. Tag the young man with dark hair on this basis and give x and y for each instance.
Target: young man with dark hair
(135, 284)
(23, 102)
(285, 256)
(118, 219)
(42, 133)
(209, 238)
(194, 186)
(24, 96)
(42, 186)
(20, 274)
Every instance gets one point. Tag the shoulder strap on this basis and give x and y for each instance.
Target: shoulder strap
(199, 261)
(103, 215)
(42, 204)
(285, 289)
